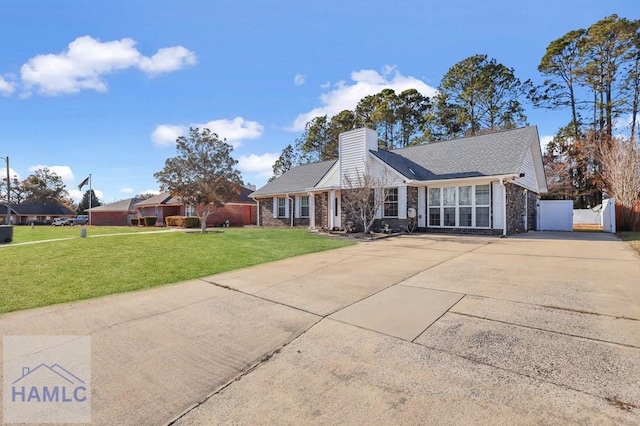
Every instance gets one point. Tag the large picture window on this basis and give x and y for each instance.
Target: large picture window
(304, 206)
(282, 206)
(459, 206)
(391, 202)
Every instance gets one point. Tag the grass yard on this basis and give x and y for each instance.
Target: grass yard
(80, 268)
(24, 234)
(633, 238)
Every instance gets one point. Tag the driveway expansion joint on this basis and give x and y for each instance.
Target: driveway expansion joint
(625, 406)
(592, 339)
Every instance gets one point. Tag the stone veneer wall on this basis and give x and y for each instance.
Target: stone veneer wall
(515, 209)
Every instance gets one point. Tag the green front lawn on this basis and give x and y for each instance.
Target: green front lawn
(79, 268)
(633, 238)
(25, 233)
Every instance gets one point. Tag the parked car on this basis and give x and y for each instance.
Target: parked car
(60, 221)
(82, 219)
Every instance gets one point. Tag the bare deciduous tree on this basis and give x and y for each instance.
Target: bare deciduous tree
(363, 196)
(621, 175)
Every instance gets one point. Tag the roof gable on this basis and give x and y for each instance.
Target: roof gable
(298, 179)
(493, 154)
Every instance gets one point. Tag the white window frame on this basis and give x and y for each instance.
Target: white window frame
(283, 207)
(302, 206)
(457, 207)
(396, 202)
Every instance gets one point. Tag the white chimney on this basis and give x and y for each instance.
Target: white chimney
(354, 152)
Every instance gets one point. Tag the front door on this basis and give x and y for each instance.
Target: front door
(334, 210)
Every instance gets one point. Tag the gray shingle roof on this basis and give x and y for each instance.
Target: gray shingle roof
(297, 179)
(41, 210)
(118, 206)
(492, 154)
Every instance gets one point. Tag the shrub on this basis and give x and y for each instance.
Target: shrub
(134, 222)
(173, 220)
(150, 220)
(191, 222)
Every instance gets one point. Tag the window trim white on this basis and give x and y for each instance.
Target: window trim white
(457, 206)
(396, 202)
(300, 206)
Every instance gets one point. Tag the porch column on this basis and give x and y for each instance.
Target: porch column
(332, 208)
(312, 211)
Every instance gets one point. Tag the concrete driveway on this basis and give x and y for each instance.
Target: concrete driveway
(541, 328)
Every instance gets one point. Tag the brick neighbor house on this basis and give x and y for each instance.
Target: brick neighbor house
(486, 184)
(119, 213)
(240, 212)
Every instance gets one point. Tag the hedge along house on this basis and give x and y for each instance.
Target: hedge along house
(486, 184)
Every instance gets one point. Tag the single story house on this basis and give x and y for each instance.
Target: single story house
(25, 214)
(240, 212)
(485, 184)
(119, 213)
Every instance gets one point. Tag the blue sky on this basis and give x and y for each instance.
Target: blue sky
(105, 87)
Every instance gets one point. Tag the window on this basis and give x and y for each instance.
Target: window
(460, 206)
(391, 202)
(190, 211)
(483, 199)
(482, 195)
(304, 206)
(282, 207)
(434, 207)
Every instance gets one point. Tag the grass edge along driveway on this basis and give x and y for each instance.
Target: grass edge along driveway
(81, 268)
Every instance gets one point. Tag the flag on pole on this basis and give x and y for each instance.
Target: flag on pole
(83, 183)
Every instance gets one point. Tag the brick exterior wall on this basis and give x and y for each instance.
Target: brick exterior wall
(236, 214)
(322, 205)
(515, 209)
(110, 218)
(267, 219)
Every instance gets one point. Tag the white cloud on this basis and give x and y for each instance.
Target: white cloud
(167, 59)
(64, 172)
(299, 79)
(155, 191)
(257, 165)
(234, 131)
(86, 61)
(6, 87)
(166, 134)
(127, 190)
(365, 82)
(12, 173)
(544, 141)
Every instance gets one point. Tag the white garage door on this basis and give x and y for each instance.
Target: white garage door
(555, 215)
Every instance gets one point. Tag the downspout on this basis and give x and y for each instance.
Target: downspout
(504, 207)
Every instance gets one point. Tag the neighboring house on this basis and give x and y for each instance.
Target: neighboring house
(239, 212)
(24, 214)
(486, 184)
(119, 213)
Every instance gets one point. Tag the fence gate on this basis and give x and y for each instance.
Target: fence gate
(609, 215)
(555, 215)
